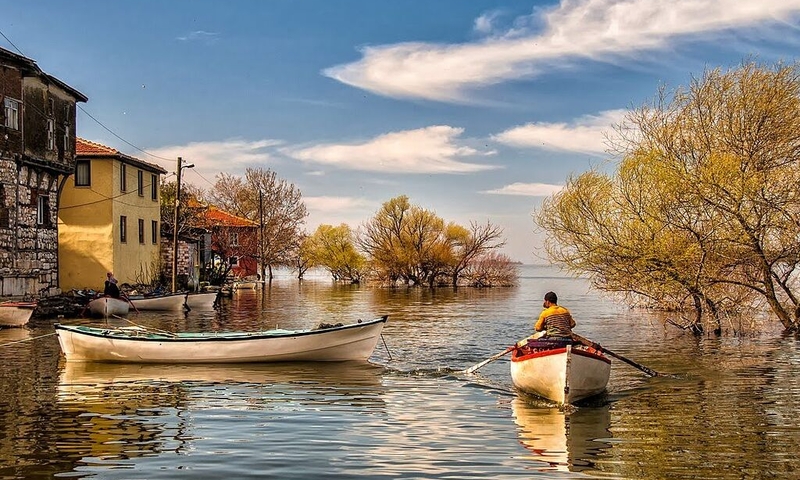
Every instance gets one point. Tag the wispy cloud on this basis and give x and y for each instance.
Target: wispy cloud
(210, 158)
(526, 189)
(327, 204)
(586, 134)
(333, 210)
(601, 30)
(200, 36)
(434, 149)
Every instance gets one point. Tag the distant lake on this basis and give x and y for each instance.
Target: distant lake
(730, 413)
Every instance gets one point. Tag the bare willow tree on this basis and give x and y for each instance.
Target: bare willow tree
(705, 204)
(275, 204)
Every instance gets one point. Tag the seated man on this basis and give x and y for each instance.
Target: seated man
(111, 289)
(555, 320)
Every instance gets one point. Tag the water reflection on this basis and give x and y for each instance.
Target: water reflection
(111, 413)
(562, 440)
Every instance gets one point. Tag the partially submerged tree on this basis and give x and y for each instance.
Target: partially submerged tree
(413, 245)
(704, 209)
(334, 248)
(274, 204)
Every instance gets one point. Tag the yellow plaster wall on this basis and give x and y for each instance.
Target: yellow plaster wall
(89, 228)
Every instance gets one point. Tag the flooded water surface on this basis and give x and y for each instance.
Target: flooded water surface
(729, 411)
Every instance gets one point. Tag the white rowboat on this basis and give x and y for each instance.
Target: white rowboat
(562, 373)
(16, 314)
(139, 345)
(108, 306)
(203, 300)
(170, 301)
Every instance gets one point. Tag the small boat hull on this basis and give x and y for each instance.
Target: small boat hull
(161, 302)
(108, 306)
(137, 345)
(204, 300)
(565, 374)
(16, 314)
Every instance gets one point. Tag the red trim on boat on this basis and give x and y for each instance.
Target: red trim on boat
(543, 353)
(592, 354)
(515, 357)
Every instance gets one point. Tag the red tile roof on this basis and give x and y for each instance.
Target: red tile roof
(217, 217)
(86, 148)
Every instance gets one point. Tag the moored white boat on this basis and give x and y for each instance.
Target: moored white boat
(202, 300)
(108, 306)
(563, 373)
(356, 341)
(170, 301)
(16, 314)
(245, 285)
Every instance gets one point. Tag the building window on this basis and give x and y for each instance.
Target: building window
(155, 231)
(83, 173)
(123, 178)
(4, 222)
(11, 113)
(141, 230)
(140, 180)
(154, 187)
(51, 134)
(43, 210)
(123, 228)
(233, 237)
(66, 138)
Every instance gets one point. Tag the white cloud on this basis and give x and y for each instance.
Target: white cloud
(434, 149)
(596, 29)
(336, 204)
(485, 23)
(199, 35)
(586, 134)
(210, 158)
(331, 210)
(527, 189)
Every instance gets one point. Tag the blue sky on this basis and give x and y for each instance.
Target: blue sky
(473, 109)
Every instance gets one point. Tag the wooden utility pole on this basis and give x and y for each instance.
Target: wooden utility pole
(175, 223)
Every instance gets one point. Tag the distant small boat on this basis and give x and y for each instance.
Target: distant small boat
(170, 301)
(108, 306)
(245, 285)
(560, 371)
(136, 344)
(16, 314)
(203, 300)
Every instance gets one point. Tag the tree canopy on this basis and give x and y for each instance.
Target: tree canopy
(274, 204)
(703, 209)
(407, 243)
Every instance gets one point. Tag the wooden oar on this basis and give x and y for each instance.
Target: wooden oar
(649, 371)
(491, 359)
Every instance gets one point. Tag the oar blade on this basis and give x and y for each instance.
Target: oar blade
(491, 359)
(585, 341)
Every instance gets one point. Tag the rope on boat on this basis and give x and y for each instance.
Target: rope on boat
(25, 340)
(386, 346)
(147, 329)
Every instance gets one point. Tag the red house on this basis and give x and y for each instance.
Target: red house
(233, 240)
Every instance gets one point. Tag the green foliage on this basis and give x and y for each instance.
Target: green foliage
(409, 244)
(334, 248)
(703, 211)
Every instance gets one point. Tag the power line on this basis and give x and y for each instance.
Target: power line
(12, 43)
(122, 139)
(105, 127)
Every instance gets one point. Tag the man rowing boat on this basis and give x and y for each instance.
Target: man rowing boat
(555, 322)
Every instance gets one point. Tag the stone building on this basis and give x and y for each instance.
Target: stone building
(37, 155)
